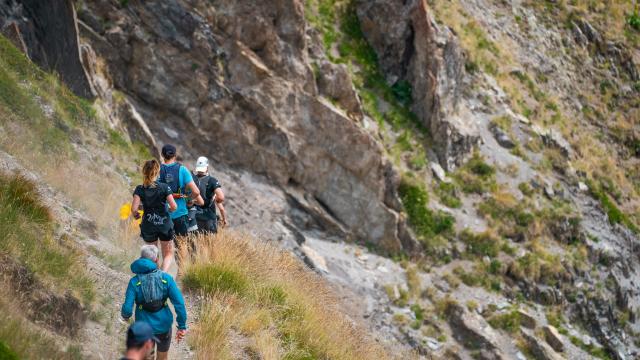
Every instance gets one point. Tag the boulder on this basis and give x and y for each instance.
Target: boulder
(553, 138)
(472, 330)
(438, 172)
(582, 187)
(411, 47)
(526, 319)
(539, 348)
(502, 137)
(334, 82)
(553, 338)
(313, 259)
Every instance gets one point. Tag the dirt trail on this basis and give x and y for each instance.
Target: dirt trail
(104, 337)
(107, 263)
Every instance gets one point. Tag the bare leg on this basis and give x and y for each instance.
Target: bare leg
(167, 254)
(163, 355)
(157, 244)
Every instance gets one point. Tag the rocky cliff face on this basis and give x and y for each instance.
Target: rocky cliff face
(413, 48)
(233, 81)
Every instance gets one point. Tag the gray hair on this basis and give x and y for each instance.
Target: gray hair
(149, 252)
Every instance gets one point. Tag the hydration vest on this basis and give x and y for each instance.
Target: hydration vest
(170, 175)
(203, 183)
(152, 287)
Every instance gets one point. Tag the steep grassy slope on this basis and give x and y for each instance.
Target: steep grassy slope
(277, 306)
(37, 259)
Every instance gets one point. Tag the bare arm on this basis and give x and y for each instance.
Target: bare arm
(218, 197)
(135, 206)
(195, 193)
(172, 203)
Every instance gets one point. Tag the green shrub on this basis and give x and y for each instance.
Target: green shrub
(476, 176)
(424, 221)
(634, 20)
(615, 215)
(509, 322)
(448, 194)
(483, 244)
(216, 278)
(28, 230)
(526, 189)
(6, 353)
(402, 92)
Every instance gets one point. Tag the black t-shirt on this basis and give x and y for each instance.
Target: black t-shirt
(210, 184)
(154, 202)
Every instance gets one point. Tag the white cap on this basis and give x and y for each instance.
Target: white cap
(202, 164)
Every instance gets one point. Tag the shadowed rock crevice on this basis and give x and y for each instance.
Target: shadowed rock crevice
(415, 49)
(49, 32)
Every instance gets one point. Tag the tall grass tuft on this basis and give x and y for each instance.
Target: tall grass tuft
(262, 293)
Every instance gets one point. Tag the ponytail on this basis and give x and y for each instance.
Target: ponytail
(150, 171)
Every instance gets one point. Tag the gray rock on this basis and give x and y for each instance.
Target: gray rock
(517, 117)
(553, 138)
(583, 187)
(548, 190)
(474, 332)
(539, 348)
(335, 82)
(438, 172)
(433, 344)
(553, 338)
(502, 137)
(526, 319)
(313, 259)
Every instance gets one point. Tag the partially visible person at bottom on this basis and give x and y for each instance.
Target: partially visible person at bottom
(148, 291)
(211, 192)
(140, 341)
(181, 182)
(156, 226)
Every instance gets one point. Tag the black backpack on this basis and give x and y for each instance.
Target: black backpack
(170, 175)
(203, 184)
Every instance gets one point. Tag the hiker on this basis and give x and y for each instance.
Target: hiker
(180, 181)
(156, 226)
(140, 341)
(211, 192)
(149, 290)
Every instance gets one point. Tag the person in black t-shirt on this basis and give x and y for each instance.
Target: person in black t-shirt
(211, 192)
(156, 222)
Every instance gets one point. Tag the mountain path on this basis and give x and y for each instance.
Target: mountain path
(107, 264)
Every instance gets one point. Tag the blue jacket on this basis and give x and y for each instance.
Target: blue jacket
(162, 320)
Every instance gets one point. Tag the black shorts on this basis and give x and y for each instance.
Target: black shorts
(181, 224)
(154, 236)
(165, 341)
(207, 226)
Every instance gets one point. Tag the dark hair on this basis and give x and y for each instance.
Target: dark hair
(168, 152)
(131, 341)
(150, 171)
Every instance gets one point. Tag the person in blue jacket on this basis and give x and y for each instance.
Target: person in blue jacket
(148, 291)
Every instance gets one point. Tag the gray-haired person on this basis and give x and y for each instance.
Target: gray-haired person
(148, 292)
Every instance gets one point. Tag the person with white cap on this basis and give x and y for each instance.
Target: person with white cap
(213, 196)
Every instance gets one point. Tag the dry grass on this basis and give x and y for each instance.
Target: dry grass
(266, 296)
(24, 339)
